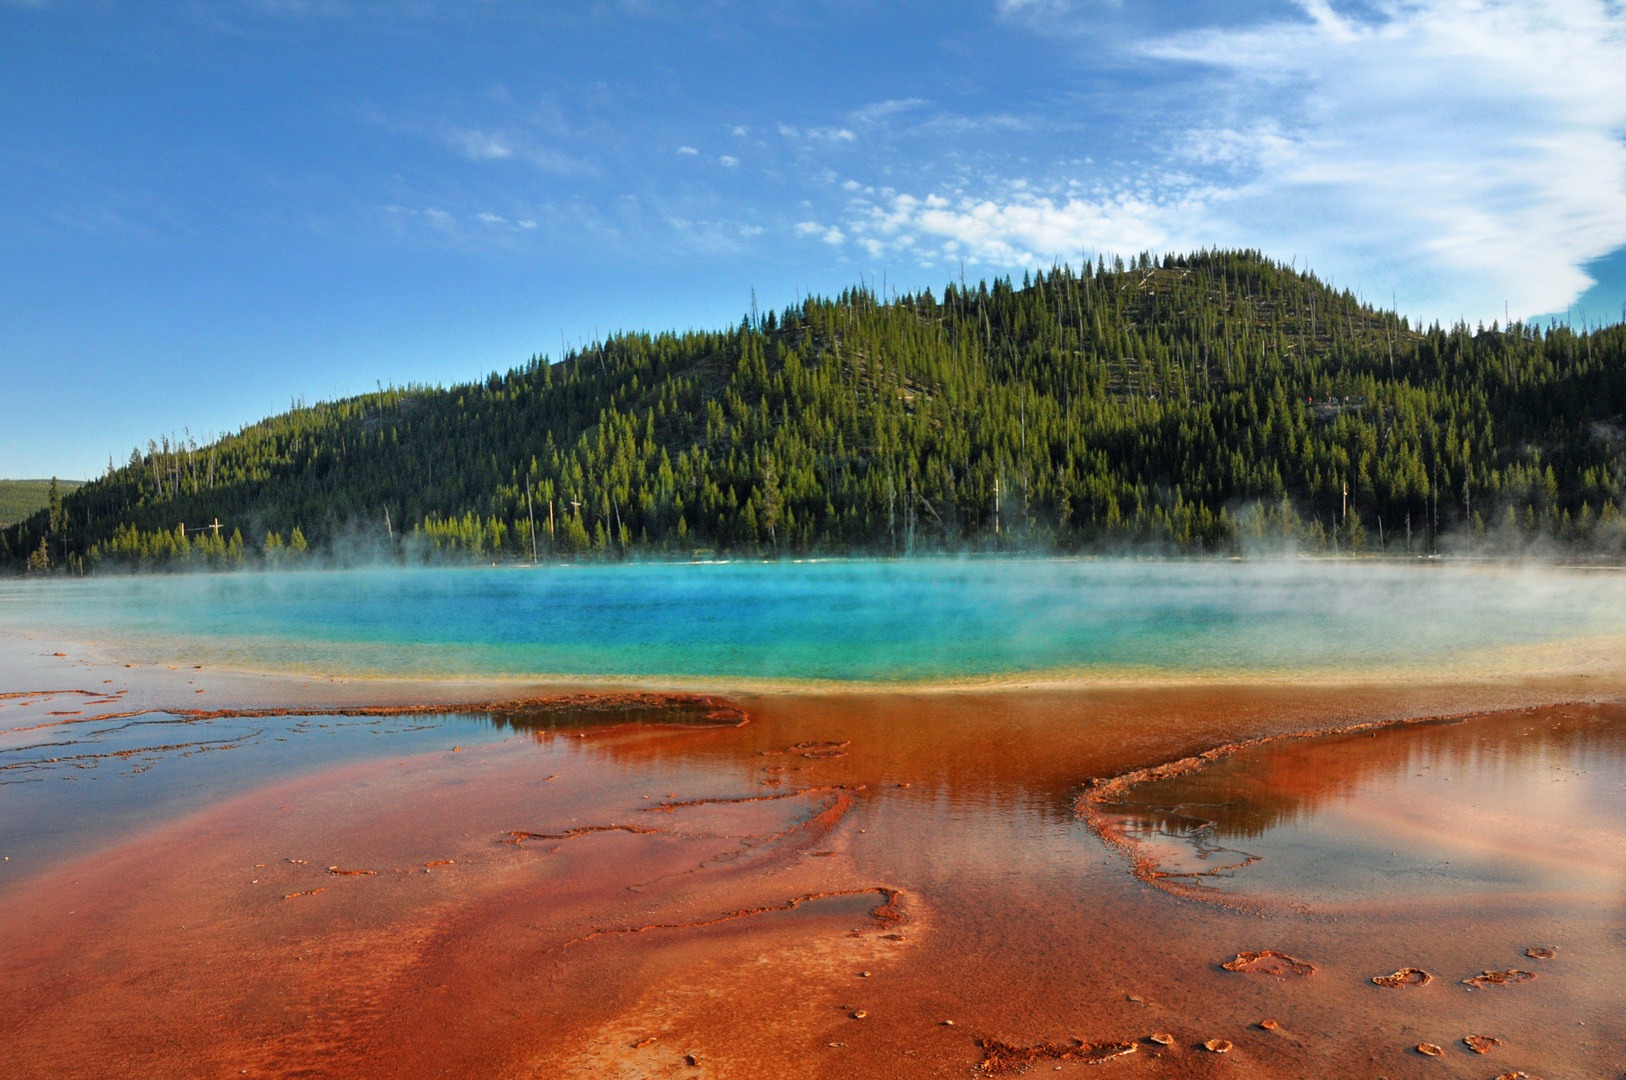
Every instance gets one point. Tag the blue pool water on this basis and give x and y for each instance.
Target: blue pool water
(837, 620)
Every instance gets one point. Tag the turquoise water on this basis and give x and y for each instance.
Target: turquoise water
(835, 620)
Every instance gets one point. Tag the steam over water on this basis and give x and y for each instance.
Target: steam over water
(845, 621)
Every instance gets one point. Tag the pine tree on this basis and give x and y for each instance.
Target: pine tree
(771, 503)
(57, 520)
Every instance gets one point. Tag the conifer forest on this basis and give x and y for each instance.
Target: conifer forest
(1205, 403)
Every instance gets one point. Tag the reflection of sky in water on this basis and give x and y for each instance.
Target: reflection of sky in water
(68, 784)
(64, 786)
(843, 620)
(1527, 802)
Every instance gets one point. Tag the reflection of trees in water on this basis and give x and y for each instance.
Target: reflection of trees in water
(537, 721)
(962, 771)
(1187, 823)
(984, 766)
(544, 718)
(1243, 796)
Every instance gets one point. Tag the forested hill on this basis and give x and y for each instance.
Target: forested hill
(20, 498)
(1193, 403)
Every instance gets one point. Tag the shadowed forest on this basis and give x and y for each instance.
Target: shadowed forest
(1210, 402)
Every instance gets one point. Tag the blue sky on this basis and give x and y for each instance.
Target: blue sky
(208, 209)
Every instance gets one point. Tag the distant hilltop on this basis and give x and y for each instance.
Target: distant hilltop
(1191, 403)
(21, 498)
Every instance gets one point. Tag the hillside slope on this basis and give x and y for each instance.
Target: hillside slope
(19, 499)
(1192, 402)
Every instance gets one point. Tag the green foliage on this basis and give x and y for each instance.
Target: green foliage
(53, 507)
(205, 550)
(1207, 402)
(21, 498)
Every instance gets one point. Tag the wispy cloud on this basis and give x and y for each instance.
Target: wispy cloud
(823, 134)
(1011, 224)
(1031, 8)
(1465, 152)
(718, 236)
(828, 233)
(1480, 139)
(449, 226)
(480, 145)
(881, 110)
(518, 142)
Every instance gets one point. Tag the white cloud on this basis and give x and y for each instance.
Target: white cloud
(972, 125)
(687, 150)
(728, 161)
(1015, 226)
(717, 236)
(1036, 7)
(874, 114)
(1462, 152)
(446, 225)
(829, 234)
(478, 143)
(481, 145)
(1480, 140)
(827, 134)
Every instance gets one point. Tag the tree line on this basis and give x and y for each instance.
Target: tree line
(1195, 403)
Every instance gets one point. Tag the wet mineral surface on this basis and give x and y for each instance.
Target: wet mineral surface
(859, 884)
